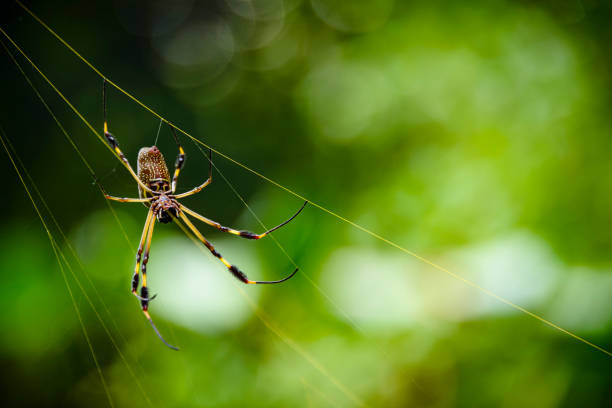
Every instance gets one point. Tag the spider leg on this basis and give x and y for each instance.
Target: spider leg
(136, 276)
(198, 188)
(243, 234)
(122, 199)
(180, 160)
(115, 146)
(238, 274)
(144, 291)
(127, 199)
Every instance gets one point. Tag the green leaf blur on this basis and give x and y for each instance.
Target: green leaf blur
(476, 134)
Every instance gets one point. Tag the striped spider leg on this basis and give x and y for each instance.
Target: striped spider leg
(157, 192)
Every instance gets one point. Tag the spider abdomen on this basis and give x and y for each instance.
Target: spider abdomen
(152, 170)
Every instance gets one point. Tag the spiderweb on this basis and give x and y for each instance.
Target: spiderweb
(261, 314)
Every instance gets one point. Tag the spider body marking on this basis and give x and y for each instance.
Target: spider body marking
(157, 192)
(153, 172)
(165, 208)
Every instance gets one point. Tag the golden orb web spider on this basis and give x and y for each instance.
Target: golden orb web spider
(157, 192)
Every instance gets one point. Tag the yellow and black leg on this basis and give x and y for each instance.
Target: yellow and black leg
(238, 274)
(243, 234)
(121, 199)
(128, 199)
(145, 241)
(180, 160)
(179, 165)
(144, 291)
(115, 145)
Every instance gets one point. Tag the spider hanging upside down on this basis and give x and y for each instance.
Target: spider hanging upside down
(157, 192)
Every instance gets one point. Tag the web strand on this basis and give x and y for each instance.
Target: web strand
(67, 241)
(56, 251)
(265, 319)
(158, 131)
(262, 316)
(286, 189)
(280, 246)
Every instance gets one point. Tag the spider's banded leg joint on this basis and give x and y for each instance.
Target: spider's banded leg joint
(109, 137)
(240, 275)
(135, 280)
(251, 235)
(243, 233)
(180, 160)
(198, 188)
(240, 233)
(144, 298)
(144, 292)
(136, 276)
(114, 144)
(232, 268)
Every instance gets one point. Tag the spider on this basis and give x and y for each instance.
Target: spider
(157, 192)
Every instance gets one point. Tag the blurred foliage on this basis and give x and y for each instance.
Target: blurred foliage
(475, 134)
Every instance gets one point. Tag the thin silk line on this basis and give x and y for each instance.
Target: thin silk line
(263, 317)
(278, 244)
(257, 310)
(312, 388)
(79, 284)
(65, 238)
(62, 128)
(56, 249)
(330, 212)
(87, 277)
(158, 131)
(259, 313)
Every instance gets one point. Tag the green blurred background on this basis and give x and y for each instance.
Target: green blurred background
(477, 135)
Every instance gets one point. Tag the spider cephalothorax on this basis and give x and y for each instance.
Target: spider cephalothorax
(157, 192)
(165, 208)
